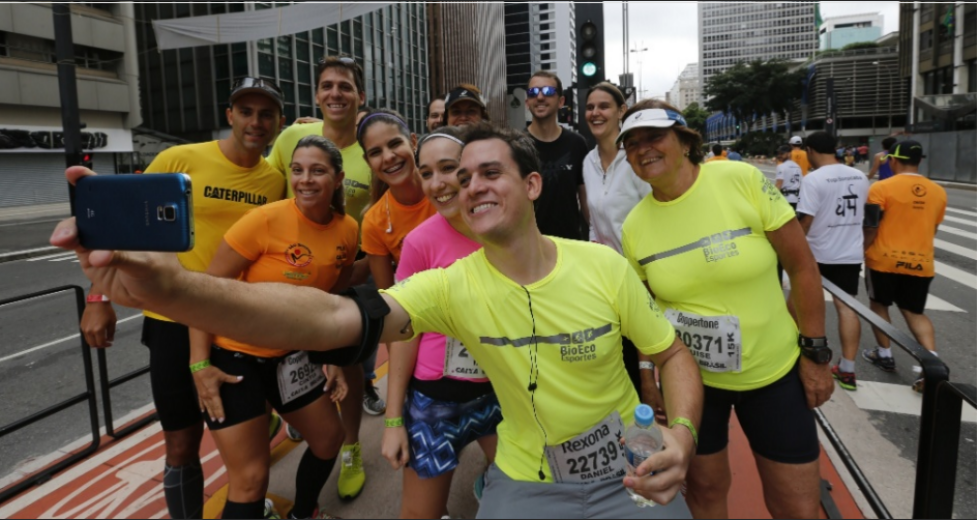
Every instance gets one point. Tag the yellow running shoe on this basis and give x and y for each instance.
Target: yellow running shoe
(352, 477)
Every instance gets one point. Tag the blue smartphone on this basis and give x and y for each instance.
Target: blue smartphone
(135, 212)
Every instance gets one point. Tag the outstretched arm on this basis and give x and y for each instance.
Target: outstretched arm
(270, 314)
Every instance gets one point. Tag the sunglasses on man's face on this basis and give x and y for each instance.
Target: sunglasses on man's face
(547, 91)
(249, 82)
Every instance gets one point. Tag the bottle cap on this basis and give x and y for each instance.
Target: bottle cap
(644, 416)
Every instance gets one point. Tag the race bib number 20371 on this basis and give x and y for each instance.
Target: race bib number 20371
(714, 341)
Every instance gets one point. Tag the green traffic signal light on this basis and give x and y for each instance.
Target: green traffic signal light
(589, 69)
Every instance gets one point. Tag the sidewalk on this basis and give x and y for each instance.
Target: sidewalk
(35, 212)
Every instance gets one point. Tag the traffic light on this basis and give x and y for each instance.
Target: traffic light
(590, 43)
(86, 160)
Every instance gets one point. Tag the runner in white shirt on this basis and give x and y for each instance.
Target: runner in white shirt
(789, 176)
(833, 200)
(613, 190)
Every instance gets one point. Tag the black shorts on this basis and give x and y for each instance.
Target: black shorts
(174, 393)
(776, 420)
(846, 276)
(908, 292)
(245, 400)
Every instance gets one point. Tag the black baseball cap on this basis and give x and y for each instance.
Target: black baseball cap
(909, 151)
(463, 94)
(249, 85)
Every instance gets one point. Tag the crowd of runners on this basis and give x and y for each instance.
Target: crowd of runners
(530, 293)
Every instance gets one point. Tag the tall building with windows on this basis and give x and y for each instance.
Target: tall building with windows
(467, 44)
(540, 36)
(185, 91)
(32, 157)
(839, 31)
(734, 32)
(686, 90)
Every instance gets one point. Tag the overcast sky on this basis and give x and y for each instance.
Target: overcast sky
(669, 31)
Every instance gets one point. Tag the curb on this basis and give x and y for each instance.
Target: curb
(28, 253)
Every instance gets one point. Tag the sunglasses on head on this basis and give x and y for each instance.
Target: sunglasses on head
(249, 82)
(547, 91)
(345, 60)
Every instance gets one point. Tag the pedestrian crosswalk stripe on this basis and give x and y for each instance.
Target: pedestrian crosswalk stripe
(888, 397)
(955, 274)
(958, 232)
(962, 212)
(956, 249)
(957, 220)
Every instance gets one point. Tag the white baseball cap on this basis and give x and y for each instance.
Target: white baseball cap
(795, 140)
(650, 118)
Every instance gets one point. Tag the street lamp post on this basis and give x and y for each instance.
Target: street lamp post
(889, 113)
(639, 52)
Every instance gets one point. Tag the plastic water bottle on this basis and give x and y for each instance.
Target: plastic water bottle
(642, 440)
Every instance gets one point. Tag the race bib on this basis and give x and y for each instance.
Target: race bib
(459, 364)
(297, 375)
(595, 455)
(713, 340)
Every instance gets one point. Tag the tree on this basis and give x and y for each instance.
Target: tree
(696, 117)
(749, 91)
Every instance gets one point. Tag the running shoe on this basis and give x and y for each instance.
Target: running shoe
(292, 433)
(479, 486)
(847, 380)
(886, 364)
(372, 403)
(270, 512)
(274, 426)
(352, 477)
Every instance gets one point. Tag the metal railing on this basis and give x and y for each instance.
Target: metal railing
(940, 424)
(105, 386)
(88, 395)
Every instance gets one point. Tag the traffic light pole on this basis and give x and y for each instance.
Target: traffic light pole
(64, 48)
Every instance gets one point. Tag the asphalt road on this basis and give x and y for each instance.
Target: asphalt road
(883, 441)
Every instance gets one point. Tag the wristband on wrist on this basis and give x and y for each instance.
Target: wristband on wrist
(396, 422)
(197, 367)
(97, 298)
(689, 426)
(646, 365)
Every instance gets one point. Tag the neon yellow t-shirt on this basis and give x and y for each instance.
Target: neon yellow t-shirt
(706, 254)
(223, 193)
(578, 321)
(356, 184)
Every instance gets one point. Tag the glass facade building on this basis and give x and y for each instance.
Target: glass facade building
(184, 91)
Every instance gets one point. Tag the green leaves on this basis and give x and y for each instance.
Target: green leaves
(755, 89)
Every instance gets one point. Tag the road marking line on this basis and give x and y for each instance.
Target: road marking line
(62, 340)
(958, 232)
(40, 493)
(69, 257)
(960, 221)
(956, 275)
(933, 303)
(41, 258)
(956, 249)
(888, 397)
(27, 252)
(962, 212)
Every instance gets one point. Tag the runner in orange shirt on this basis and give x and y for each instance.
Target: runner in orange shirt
(799, 156)
(900, 249)
(307, 241)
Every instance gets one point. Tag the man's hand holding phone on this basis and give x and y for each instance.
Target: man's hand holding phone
(131, 279)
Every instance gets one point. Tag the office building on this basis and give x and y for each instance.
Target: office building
(734, 32)
(467, 44)
(839, 31)
(32, 158)
(184, 91)
(686, 90)
(540, 36)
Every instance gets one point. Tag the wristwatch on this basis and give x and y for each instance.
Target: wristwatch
(815, 349)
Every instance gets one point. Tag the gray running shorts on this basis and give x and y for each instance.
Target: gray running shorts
(504, 497)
